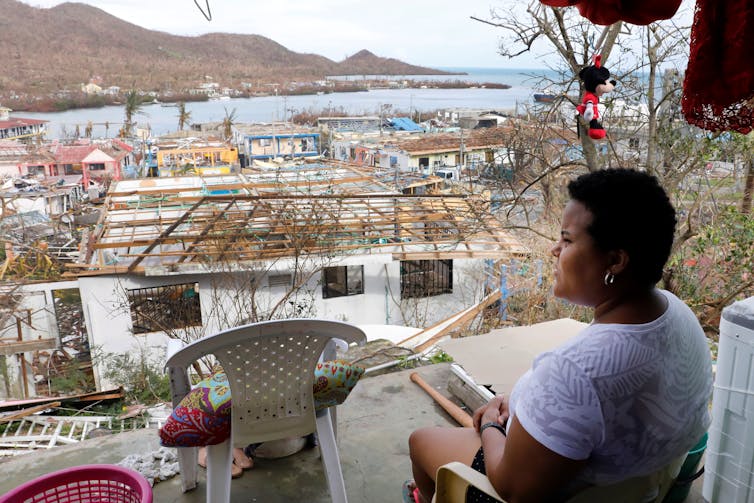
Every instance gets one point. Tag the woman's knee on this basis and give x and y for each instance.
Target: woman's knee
(438, 445)
(421, 440)
(416, 440)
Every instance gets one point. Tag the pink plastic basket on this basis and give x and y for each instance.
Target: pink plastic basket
(84, 484)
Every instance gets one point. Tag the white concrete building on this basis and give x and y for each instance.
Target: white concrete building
(185, 257)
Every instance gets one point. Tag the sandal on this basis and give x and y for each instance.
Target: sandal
(410, 492)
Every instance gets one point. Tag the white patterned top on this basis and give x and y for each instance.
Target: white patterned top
(629, 398)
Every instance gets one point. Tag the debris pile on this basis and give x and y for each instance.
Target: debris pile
(156, 466)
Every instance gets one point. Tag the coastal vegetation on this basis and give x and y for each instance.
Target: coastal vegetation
(62, 101)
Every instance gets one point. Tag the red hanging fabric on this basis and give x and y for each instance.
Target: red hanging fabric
(718, 91)
(607, 12)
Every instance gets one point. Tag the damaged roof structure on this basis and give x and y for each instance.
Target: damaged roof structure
(163, 224)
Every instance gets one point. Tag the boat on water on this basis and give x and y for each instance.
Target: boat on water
(544, 97)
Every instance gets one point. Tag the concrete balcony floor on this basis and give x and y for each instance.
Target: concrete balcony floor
(373, 429)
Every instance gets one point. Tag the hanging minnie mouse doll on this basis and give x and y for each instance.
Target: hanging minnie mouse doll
(596, 83)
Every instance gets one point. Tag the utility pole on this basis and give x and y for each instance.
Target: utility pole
(380, 105)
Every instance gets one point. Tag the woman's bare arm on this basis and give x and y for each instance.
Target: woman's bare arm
(521, 469)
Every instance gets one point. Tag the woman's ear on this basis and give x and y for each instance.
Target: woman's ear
(618, 261)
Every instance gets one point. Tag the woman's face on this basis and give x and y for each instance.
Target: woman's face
(580, 266)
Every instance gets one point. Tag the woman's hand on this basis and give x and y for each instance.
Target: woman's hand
(496, 410)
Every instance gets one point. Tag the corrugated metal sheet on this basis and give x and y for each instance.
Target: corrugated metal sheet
(405, 124)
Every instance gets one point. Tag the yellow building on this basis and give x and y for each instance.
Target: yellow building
(197, 161)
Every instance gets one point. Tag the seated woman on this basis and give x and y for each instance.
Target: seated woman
(626, 396)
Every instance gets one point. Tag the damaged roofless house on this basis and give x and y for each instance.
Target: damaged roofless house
(186, 257)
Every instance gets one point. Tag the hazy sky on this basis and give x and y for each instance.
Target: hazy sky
(423, 32)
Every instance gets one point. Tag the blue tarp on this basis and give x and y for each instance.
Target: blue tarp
(405, 124)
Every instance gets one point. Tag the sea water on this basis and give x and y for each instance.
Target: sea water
(161, 119)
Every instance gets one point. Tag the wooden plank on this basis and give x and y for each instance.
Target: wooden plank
(104, 396)
(210, 225)
(94, 395)
(56, 433)
(454, 254)
(469, 315)
(166, 233)
(463, 387)
(11, 348)
(36, 441)
(27, 412)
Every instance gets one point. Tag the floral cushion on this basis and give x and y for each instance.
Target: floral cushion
(203, 416)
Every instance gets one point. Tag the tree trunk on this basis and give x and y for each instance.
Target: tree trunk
(748, 188)
(588, 147)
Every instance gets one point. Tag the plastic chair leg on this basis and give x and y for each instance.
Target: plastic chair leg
(330, 458)
(187, 464)
(219, 460)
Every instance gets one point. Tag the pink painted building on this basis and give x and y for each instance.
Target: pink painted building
(94, 161)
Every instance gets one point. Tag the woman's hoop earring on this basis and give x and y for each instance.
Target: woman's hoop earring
(609, 278)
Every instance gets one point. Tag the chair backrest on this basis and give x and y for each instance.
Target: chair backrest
(270, 368)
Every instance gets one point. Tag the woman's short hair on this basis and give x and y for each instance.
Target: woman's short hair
(632, 212)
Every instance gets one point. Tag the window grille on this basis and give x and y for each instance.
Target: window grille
(425, 278)
(162, 308)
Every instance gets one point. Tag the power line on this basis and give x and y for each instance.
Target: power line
(207, 15)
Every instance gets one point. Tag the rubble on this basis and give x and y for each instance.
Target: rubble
(156, 466)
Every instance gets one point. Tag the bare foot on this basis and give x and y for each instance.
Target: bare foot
(241, 460)
(236, 469)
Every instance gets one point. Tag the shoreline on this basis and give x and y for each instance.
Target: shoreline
(80, 101)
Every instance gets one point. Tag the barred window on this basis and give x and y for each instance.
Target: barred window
(162, 308)
(342, 281)
(425, 278)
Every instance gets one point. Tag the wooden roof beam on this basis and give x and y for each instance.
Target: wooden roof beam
(165, 234)
(206, 230)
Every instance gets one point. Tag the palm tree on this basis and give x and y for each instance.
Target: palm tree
(132, 107)
(228, 122)
(184, 116)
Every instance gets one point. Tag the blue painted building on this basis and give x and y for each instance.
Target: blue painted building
(265, 146)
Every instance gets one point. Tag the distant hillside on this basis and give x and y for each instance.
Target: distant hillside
(43, 50)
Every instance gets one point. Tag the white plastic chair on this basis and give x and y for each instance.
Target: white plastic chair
(270, 368)
(454, 479)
